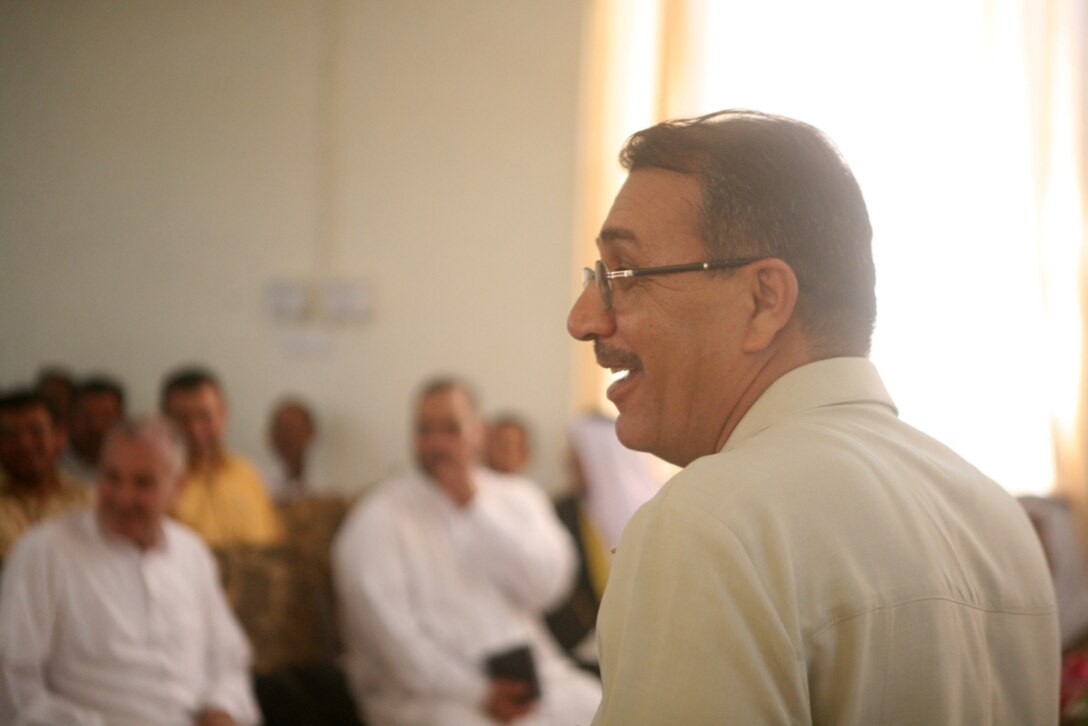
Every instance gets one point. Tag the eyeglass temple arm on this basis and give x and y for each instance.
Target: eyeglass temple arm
(711, 265)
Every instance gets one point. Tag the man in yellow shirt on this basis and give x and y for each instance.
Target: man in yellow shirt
(32, 488)
(222, 497)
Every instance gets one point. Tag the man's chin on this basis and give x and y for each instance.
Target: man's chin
(131, 531)
(430, 466)
(631, 434)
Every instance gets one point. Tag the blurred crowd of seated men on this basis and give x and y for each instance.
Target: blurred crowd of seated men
(397, 616)
(453, 593)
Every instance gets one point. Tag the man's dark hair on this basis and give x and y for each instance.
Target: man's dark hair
(99, 384)
(57, 385)
(186, 379)
(19, 399)
(297, 403)
(58, 375)
(776, 187)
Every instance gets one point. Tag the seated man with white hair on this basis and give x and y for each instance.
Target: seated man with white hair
(115, 615)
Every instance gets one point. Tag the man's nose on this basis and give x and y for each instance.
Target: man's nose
(123, 493)
(588, 318)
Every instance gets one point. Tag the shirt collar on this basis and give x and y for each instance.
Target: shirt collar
(828, 382)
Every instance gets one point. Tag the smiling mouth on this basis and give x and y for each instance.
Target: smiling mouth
(625, 366)
(622, 385)
(619, 374)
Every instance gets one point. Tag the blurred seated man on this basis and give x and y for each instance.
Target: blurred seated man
(32, 487)
(97, 406)
(444, 568)
(508, 449)
(292, 430)
(115, 615)
(222, 496)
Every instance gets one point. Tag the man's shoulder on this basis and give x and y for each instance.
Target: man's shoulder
(512, 486)
(406, 491)
(185, 545)
(238, 466)
(726, 482)
(240, 474)
(55, 538)
(182, 535)
(863, 495)
(378, 503)
(71, 491)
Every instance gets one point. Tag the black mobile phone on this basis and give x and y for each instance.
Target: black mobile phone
(517, 664)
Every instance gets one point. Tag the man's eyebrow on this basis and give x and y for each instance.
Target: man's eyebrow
(617, 234)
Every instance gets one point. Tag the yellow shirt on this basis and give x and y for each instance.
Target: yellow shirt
(229, 505)
(19, 511)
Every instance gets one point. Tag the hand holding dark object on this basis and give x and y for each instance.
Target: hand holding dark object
(213, 717)
(509, 699)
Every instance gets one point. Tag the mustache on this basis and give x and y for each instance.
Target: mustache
(614, 357)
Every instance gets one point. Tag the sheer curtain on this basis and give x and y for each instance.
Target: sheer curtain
(964, 122)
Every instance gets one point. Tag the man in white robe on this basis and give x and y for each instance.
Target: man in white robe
(441, 568)
(115, 615)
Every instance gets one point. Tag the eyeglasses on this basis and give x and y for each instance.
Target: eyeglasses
(604, 276)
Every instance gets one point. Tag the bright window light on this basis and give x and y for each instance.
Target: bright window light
(926, 102)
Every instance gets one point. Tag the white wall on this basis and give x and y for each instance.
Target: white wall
(162, 162)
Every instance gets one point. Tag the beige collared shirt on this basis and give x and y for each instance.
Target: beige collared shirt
(831, 565)
(20, 510)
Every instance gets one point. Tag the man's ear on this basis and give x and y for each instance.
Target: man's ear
(774, 290)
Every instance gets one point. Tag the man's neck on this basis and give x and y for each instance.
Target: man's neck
(294, 468)
(792, 351)
(43, 486)
(151, 539)
(208, 463)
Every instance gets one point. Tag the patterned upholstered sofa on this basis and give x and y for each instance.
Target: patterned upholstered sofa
(283, 596)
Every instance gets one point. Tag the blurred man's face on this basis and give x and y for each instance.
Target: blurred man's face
(201, 414)
(507, 449)
(447, 430)
(29, 445)
(291, 432)
(137, 486)
(93, 415)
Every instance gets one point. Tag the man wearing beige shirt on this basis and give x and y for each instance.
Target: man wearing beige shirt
(32, 486)
(817, 561)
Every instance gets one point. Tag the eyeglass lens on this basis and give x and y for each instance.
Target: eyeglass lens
(604, 284)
